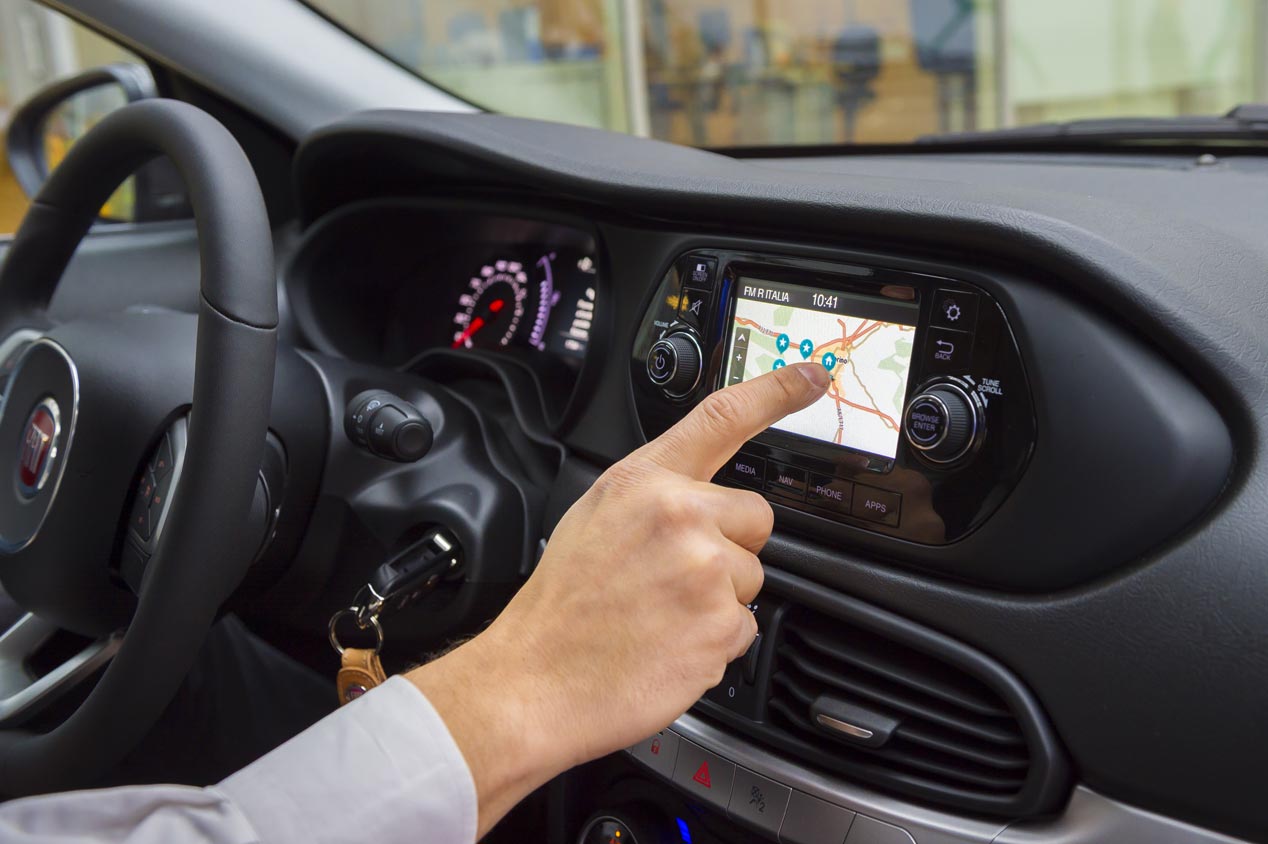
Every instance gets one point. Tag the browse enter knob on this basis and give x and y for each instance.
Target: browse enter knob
(674, 363)
(942, 423)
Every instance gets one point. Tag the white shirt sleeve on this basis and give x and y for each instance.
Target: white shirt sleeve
(383, 769)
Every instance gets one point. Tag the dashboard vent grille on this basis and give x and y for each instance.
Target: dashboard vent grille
(945, 728)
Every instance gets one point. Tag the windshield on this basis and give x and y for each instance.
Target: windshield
(724, 73)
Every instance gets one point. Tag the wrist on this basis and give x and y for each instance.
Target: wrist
(503, 714)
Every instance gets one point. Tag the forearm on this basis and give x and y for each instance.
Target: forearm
(502, 715)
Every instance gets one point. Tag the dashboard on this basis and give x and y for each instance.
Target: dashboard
(1005, 540)
(389, 282)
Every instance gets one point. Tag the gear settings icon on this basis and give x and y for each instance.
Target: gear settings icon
(952, 311)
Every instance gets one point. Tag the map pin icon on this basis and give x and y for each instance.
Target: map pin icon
(807, 349)
(779, 364)
(781, 343)
(829, 360)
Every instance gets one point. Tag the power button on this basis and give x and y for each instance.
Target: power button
(673, 364)
(662, 362)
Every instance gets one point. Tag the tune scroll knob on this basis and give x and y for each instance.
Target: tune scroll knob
(942, 423)
(674, 364)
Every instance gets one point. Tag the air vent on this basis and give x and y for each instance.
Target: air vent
(857, 692)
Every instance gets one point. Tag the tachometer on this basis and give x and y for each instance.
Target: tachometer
(490, 310)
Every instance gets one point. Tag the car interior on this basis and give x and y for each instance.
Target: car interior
(1016, 589)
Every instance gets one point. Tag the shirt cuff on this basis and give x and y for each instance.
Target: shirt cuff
(384, 768)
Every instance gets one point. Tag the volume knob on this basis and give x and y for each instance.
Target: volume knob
(674, 363)
(941, 423)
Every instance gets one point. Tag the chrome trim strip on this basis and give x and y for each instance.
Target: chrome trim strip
(10, 344)
(974, 415)
(699, 371)
(839, 726)
(70, 432)
(23, 695)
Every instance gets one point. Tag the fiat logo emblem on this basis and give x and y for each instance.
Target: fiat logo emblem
(38, 449)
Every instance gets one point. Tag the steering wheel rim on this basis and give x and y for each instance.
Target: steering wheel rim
(203, 555)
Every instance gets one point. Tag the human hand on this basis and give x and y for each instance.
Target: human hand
(652, 567)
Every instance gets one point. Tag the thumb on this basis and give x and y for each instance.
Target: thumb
(707, 436)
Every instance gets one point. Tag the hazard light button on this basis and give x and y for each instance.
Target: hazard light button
(704, 775)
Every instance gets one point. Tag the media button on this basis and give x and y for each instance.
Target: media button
(830, 493)
(745, 469)
(955, 309)
(786, 480)
(947, 350)
(876, 505)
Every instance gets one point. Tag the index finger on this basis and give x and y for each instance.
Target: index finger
(707, 436)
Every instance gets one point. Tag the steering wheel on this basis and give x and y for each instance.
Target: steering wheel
(94, 404)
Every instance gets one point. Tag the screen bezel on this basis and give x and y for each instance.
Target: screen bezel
(870, 283)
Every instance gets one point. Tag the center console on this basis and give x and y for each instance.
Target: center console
(927, 424)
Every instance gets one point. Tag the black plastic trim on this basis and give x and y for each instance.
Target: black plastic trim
(1049, 776)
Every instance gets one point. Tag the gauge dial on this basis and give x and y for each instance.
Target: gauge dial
(490, 310)
(547, 298)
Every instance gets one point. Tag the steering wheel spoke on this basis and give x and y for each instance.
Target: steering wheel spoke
(25, 693)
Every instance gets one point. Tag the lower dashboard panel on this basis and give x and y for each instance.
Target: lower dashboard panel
(804, 808)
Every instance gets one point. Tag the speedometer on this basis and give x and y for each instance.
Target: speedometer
(490, 309)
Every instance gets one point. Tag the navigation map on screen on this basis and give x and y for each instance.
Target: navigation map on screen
(865, 342)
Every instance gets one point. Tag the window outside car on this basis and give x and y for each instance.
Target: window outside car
(723, 73)
(38, 47)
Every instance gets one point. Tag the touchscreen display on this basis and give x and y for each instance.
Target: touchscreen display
(865, 342)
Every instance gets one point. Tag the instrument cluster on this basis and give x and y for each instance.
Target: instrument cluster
(391, 281)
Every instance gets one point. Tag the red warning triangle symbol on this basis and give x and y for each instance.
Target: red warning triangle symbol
(702, 775)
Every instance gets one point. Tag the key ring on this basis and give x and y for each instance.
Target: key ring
(355, 612)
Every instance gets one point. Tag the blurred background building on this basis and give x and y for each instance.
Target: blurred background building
(761, 72)
(734, 72)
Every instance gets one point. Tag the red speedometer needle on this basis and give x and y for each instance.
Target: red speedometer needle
(478, 322)
(476, 325)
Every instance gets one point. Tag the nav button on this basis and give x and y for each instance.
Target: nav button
(745, 469)
(786, 480)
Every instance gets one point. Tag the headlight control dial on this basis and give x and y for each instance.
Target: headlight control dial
(942, 423)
